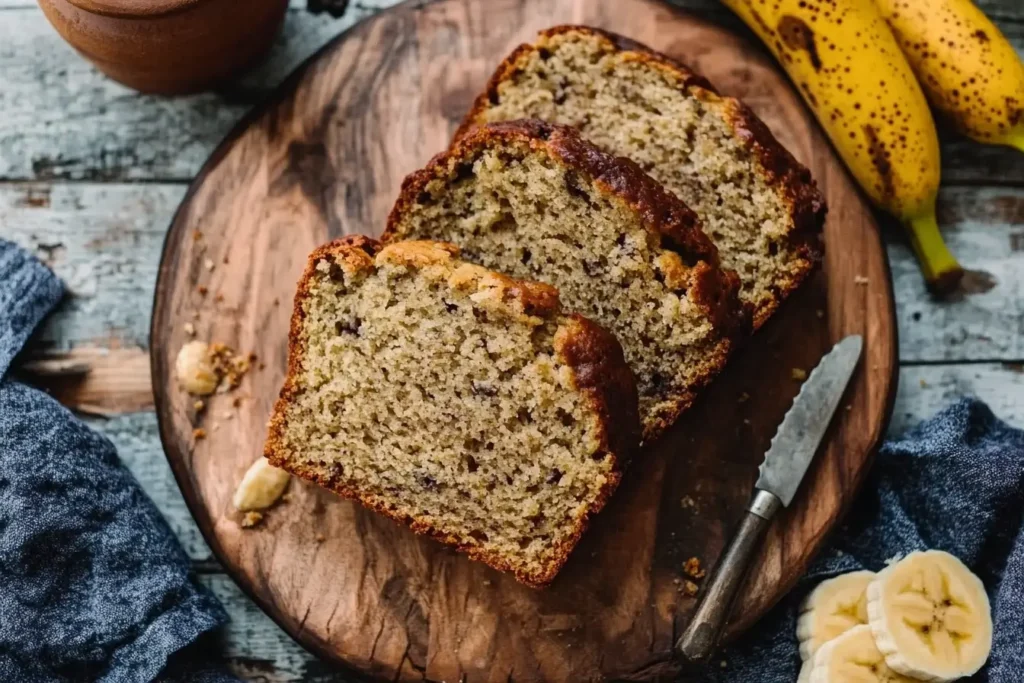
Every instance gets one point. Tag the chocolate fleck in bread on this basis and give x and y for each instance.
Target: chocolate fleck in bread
(756, 202)
(454, 399)
(537, 201)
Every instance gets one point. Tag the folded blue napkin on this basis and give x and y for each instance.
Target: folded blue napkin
(93, 584)
(955, 483)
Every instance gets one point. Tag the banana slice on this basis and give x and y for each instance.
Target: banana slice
(831, 609)
(931, 617)
(261, 486)
(853, 658)
(805, 672)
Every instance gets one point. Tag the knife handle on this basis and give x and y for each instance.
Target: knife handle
(700, 638)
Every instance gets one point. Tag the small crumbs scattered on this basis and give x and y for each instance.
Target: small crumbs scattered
(687, 503)
(202, 289)
(199, 405)
(196, 235)
(799, 374)
(693, 569)
(228, 416)
(251, 519)
(236, 401)
(487, 582)
(261, 366)
(677, 581)
(849, 407)
(198, 433)
(225, 260)
(820, 313)
(286, 497)
(190, 329)
(320, 538)
(744, 397)
(746, 421)
(689, 589)
(217, 299)
(860, 280)
(924, 385)
(252, 357)
(208, 264)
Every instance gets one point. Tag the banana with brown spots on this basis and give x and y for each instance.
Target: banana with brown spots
(968, 69)
(851, 72)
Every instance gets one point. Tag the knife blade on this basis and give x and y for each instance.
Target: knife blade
(788, 457)
(804, 425)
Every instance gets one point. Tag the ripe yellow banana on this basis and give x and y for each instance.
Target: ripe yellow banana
(968, 69)
(850, 71)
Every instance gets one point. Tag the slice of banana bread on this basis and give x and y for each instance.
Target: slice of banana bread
(453, 399)
(536, 201)
(756, 202)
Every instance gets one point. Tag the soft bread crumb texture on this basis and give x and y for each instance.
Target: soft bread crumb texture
(436, 392)
(517, 209)
(634, 104)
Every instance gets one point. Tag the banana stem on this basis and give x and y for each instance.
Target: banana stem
(940, 268)
(1016, 139)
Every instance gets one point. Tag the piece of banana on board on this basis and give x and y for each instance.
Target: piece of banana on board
(832, 608)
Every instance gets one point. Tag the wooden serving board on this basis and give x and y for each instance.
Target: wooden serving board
(324, 158)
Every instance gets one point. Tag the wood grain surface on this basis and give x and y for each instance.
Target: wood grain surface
(325, 158)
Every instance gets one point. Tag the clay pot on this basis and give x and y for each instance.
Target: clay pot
(168, 46)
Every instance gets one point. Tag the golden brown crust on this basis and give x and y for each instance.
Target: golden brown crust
(599, 369)
(661, 212)
(782, 171)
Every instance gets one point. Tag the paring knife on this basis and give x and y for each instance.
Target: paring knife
(785, 463)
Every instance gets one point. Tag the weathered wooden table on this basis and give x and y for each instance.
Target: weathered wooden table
(90, 173)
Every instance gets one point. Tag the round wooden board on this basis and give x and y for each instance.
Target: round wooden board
(324, 158)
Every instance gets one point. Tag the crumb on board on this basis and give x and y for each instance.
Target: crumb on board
(277, 302)
(746, 421)
(799, 374)
(190, 329)
(689, 589)
(693, 569)
(216, 426)
(320, 538)
(199, 405)
(860, 280)
(820, 313)
(261, 366)
(217, 299)
(208, 264)
(251, 519)
(196, 235)
(286, 497)
(744, 397)
(198, 433)
(687, 503)
(202, 289)
(924, 385)
(236, 401)
(225, 259)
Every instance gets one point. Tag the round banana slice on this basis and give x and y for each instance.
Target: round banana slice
(831, 609)
(853, 658)
(805, 672)
(930, 617)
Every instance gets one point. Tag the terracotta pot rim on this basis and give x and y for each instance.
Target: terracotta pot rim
(139, 9)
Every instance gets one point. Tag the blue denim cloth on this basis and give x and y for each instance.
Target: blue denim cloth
(93, 584)
(955, 483)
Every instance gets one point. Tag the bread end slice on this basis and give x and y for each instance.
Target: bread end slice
(458, 401)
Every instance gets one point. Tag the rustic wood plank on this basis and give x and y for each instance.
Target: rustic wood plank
(984, 227)
(104, 242)
(61, 119)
